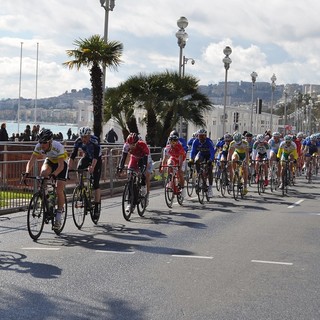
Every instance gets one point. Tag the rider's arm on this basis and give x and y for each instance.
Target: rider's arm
(31, 163)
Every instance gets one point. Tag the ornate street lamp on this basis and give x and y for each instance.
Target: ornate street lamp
(182, 37)
(273, 86)
(285, 91)
(254, 77)
(107, 5)
(226, 61)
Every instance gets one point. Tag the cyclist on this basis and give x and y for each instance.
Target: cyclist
(261, 151)
(223, 147)
(181, 140)
(311, 148)
(175, 155)
(287, 151)
(54, 165)
(90, 146)
(203, 150)
(299, 141)
(239, 150)
(190, 141)
(274, 144)
(139, 160)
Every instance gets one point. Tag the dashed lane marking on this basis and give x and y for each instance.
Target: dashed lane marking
(295, 204)
(40, 248)
(273, 262)
(119, 252)
(192, 257)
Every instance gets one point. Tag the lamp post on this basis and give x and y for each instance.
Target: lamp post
(273, 86)
(107, 5)
(182, 37)
(184, 62)
(226, 61)
(285, 109)
(254, 77)
(309, 116)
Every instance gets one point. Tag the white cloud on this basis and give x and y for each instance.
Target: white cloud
(268, 37)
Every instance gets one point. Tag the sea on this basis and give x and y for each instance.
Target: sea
(13, 127)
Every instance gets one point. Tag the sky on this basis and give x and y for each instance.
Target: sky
(278, 37)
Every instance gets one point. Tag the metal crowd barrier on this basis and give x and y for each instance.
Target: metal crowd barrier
(15, 196)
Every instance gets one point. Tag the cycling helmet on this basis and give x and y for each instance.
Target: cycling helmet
(173, 137)
(84, 131)
(227, 137)
(300, 135)
(249, 135)
(260, 138)
(132, 138)
(237, 137)
(276, 134)
(174, 133)
(287, 138)
(45, 135)
(202, 131)
(313, 137)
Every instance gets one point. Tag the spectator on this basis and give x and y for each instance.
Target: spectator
(27, 133)
(111, 136)
(3, 133)
(34, 133)
(69, 134)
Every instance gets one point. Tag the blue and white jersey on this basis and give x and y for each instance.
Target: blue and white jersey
(92, 149)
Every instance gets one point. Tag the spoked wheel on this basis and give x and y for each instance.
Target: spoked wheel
(63, 215)
(223, 183)
(168, 192)
(180, 199)
(78, 207)
(127, 202)
(217, 178)
(190, 185)
(236, 186)
(91, 207)
(273, 183)
(284, 182)
(142, 205)
(200, 188)
(35, 216)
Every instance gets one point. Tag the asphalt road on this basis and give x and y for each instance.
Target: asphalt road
(257, 258)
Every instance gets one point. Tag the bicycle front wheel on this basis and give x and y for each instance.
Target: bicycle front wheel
(223, 183)
(127, 201)
(35, 216)
(201, 191)
(78, 207)
(168, 191)
(142, 204)
(236, 186)
(190, 182)
(63, 215)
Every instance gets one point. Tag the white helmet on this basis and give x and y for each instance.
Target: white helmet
(260, 138)
(85, 131)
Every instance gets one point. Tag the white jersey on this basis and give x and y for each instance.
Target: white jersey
(56, 152)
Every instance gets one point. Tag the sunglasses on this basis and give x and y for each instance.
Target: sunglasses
(44, 142)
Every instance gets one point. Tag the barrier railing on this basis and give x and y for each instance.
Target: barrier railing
(15, 196)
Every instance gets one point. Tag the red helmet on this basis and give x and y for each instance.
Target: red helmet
(132, 138)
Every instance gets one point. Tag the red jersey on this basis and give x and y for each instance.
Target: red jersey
(175, 152)
(140, 150)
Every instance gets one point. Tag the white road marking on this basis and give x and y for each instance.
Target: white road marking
(120, 252)
(273, 262)
(40, 248)
(192, 257)
(295, 204)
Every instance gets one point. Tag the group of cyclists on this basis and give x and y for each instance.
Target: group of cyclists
(228, 151)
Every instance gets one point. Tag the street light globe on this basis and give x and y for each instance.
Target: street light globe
(273, 78)
(254, 76)
(226, 60)
(182, 23)
(227, 51)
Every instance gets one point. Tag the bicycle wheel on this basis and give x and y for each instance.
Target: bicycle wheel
(78, 207)
(190, 182)
(127, 201)
(142, 204)
(200, 187)
(168, 191)
(35, 216)
(217, 175)
(63, 215)
(223, 183)
(91, 206)
(236, 185)
(284, 181)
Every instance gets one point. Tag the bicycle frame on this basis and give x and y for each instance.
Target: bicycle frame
(202, 186)
(172, 187)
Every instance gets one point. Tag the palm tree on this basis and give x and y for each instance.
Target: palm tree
(94, 53)
(166, 97)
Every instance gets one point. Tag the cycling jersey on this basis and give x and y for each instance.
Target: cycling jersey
(203, 150)
(138, 155)
(175, 151)
(286, 150)
(261, 150)
(92, 149)
(55, 153)
(274, 146)
(311, 148)
(240, 148)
